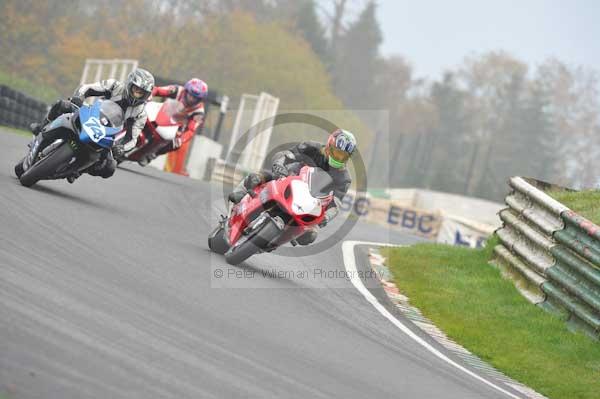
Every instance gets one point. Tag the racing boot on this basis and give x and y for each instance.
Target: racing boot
(307, 238)
(71, 179)
(237, 194)
(146, 160)
(246, 186)
(37, 127)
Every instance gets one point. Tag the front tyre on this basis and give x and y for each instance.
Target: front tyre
(47, 166)
(256, 243)
(19, 168)
(216, 240)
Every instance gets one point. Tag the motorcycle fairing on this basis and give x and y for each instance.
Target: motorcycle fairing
(94, 126)
(302, 210)
(303, 202)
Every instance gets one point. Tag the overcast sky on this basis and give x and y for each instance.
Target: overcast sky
(438, 34)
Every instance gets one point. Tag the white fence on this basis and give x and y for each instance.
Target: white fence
(95, 69)
(252, 111)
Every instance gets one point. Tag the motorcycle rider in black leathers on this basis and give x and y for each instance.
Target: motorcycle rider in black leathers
(131, 96)
(331, 157)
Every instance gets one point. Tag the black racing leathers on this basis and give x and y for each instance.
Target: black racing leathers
(312, 153)
(306, 153)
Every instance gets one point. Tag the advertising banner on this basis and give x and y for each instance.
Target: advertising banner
(393, 215)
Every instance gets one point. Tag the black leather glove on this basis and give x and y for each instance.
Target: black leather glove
(118, 151)
(280, 171)
(78, 101)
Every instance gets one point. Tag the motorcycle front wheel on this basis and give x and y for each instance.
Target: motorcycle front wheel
(216, 240)
(47, 166)
(19, 168)
(256, 243)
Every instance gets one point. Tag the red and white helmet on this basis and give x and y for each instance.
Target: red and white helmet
(194, 92)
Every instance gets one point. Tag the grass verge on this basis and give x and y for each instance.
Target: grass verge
(40, 92)
(470, 301)
(586, 203)
(20, 132)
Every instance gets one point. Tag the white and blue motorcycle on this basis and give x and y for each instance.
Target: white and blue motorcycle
(71, 143)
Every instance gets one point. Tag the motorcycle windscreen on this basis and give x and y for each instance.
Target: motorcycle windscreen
(171, 113)
(100, 122)
(303, 202)
(152, 109)
(320, 183)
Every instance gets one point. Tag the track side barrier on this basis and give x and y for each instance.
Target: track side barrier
(555, 250)
(18, 109)
(392, 214)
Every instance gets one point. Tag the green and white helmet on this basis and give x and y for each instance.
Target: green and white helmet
(138, 86)
(340, 146)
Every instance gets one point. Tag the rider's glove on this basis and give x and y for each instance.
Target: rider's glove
(280, 171)
(331, 212)
(176, 142)
(76, 100)
(118, 151)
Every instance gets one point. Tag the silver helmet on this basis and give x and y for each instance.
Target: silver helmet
(138, 86)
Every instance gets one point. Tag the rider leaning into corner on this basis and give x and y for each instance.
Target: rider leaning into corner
(331, 157)
(131, 96)
(191, 96)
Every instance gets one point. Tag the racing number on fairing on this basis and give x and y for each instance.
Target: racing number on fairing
(94, 129)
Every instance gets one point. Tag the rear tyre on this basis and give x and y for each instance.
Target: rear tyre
(217, 242)
(258, 242)
(47, 166)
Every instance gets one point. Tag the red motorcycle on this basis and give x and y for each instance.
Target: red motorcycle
(272, 214)
(162, 126)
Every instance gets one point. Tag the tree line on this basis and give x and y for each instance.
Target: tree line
(491, 117)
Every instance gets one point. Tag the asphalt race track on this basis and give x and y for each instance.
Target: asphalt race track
(108, 290)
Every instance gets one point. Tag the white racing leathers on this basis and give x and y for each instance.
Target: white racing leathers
(135, 117)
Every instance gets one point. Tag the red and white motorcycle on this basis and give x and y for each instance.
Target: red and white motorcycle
(272, 214)
(162, 127)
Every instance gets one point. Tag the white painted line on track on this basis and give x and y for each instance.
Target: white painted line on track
(350, 265)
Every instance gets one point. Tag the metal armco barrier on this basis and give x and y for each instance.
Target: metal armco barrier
(556, 250)
(19, 110)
